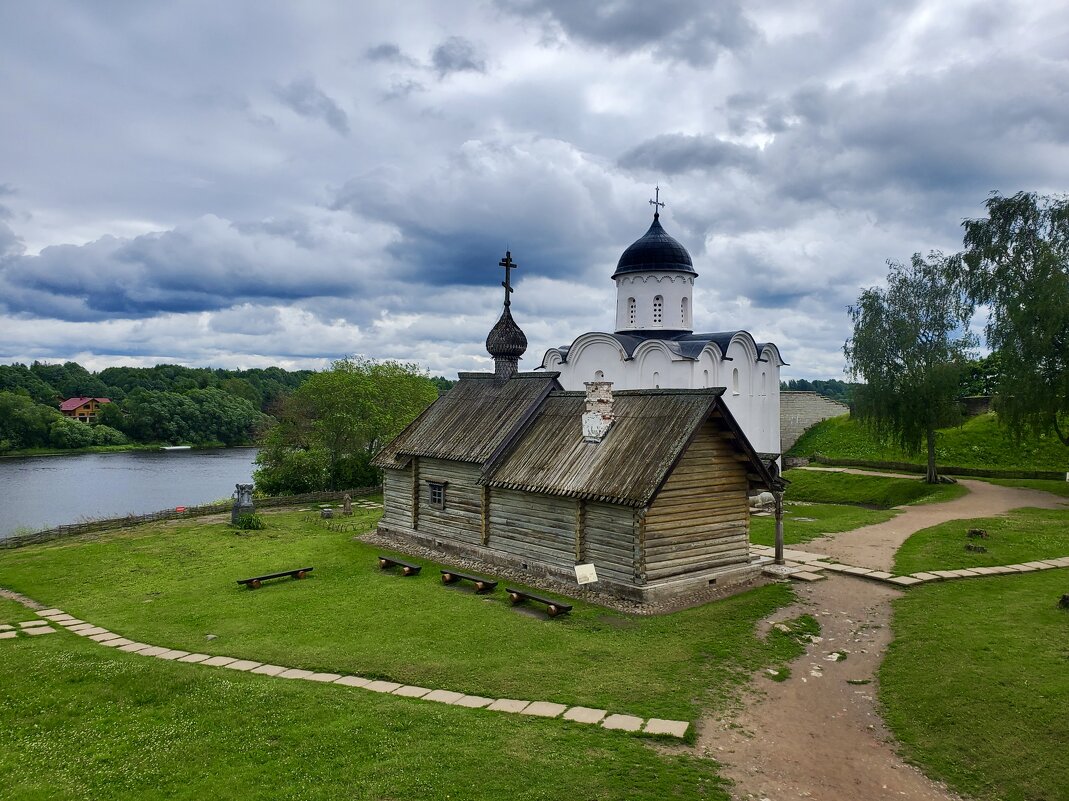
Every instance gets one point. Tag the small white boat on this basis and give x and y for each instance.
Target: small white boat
(176, 447)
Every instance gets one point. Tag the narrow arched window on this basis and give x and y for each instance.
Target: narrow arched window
(656, 380)
(631, 311)
(705, 380)
(658, 310)
(683, 312)
(763, 383)
(735, 381)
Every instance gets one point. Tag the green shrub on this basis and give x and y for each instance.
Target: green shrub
(106, 435)
(250, 522)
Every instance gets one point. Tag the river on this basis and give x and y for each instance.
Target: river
(45, 491)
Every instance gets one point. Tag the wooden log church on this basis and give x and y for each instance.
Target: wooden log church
(651, 486)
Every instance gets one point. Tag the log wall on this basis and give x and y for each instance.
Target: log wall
(609, 541)
(541, 527)
(397, 496)
(461, 519)
(700, 519)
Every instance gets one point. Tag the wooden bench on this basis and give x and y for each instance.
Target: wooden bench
(254, 583)
(553, 607)
(481, 584)
(407, 568)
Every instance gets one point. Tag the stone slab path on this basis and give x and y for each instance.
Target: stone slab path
(808, 567)
(541, 709)
(819, 733)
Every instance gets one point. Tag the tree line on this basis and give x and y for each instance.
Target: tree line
(912, 342)
(316, 430)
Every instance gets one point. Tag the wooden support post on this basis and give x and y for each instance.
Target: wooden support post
(778, 495)
(415, 493)
(485, 515)
(580, 525)
(640, 546)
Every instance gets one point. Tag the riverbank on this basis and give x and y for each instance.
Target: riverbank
(133, 446)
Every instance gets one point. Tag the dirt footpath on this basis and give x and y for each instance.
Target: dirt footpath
(875, 546)
(816, 735)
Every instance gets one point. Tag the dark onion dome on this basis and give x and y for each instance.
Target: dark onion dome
(506, 340)
(655, 251)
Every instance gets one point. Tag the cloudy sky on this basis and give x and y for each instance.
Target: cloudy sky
(257, 183)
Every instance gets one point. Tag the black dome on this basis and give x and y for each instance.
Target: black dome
(506, 340)
(655, 251)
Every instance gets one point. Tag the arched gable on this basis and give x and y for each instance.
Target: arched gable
(597, 341)
(742, 340)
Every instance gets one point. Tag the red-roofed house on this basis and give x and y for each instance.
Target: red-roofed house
(84, 409)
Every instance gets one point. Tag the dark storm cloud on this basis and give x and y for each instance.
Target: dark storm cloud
(692, 31)
(457, 54)
(207, 265)
(670, 154)
(389, 52)
(554, 208)
(308, 100)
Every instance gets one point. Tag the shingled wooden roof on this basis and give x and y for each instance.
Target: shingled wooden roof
(527, 433)
(632, 461)
(471, 421)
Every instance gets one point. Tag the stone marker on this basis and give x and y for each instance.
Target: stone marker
(346, 505)
(243, 504)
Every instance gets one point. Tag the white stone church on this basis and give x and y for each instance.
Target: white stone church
(655, 347)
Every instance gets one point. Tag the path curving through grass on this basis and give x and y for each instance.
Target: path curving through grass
(819, 734)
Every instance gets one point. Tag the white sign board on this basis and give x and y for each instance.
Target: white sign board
(585, 574)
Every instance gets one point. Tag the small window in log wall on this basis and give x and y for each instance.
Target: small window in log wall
(436, 492)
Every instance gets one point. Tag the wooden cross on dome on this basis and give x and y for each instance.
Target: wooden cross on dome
(509, 266)
(657, 202)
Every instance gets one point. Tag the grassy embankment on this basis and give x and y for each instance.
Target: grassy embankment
(172, 584)
(975, 684)
(819, 502)
(978, 443)
(81, 721)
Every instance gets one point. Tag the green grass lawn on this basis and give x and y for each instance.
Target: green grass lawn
(979, 443)
(174, 583)
(881, 492)
(804, 521)
(1053, 487)
(79, 721)
(1022, 536)
(976, 684)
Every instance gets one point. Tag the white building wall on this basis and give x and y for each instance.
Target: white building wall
(675, 291)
